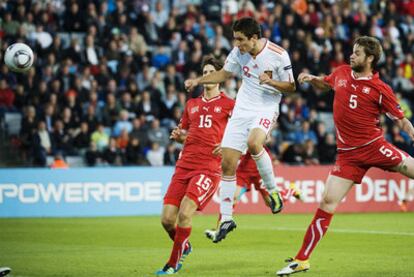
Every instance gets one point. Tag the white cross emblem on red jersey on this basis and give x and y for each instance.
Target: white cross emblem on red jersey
(366, 90)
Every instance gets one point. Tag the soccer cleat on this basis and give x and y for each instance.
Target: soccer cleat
(184, 255)
(4, 271)
(210, 234)
(276, 202)
(225, 228)
(167, 270)
(294, 266)
(295, 191)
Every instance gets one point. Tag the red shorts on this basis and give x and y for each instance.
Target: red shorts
(353, 164)
(245, 180)
(200, 186)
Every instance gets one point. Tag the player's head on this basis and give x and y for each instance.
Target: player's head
(366, 53)
(246, 33)
(209, 65)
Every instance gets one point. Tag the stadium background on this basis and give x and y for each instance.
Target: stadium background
(106, 89)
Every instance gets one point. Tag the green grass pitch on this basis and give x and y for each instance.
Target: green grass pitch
(356, 245)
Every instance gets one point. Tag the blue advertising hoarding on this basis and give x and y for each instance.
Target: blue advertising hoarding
(83, 192)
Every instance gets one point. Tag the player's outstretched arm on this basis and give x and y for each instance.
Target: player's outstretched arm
(315, 81)
(212, 78)
(406, 126)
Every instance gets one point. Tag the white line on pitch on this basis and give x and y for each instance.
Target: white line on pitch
(373, 232)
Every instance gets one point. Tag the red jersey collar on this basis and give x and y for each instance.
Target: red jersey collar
(374, 75)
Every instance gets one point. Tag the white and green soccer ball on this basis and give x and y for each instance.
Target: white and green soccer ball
(19, 57)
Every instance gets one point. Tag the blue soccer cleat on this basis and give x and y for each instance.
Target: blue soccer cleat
(167, 270)
(185, 255)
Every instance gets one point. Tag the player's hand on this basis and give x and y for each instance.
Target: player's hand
(176, 133)
(217, 150)
(190, 84)
(264, 79)
(305, 77)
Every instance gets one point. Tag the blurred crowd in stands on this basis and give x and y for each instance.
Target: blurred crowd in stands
(107, 84)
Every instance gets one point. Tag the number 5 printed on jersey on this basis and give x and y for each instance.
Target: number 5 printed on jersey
(353, 101)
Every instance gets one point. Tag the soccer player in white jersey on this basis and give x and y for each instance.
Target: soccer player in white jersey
(266, 72)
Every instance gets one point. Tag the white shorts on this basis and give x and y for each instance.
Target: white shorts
(239, 126)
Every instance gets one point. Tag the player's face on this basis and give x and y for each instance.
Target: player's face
(207, 69)
(358, 60)
(243, 43)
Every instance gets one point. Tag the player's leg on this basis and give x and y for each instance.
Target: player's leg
(406, 167)
(230, 158)
(181, 248)
(255, 142)
(211, 233)
(335, 190)
(172, 199)
(169, 219)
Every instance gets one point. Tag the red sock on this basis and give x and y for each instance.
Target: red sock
(180, 241)
(315, 232)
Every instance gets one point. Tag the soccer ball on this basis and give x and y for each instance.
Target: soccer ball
(19, 57)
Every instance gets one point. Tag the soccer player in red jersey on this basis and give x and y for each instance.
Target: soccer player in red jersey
(198, 170)
(360, 98)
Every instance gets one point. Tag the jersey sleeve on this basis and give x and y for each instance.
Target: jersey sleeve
(285, 71)
(232, 62)
(330, 79)
(390, 105)
(185, 120)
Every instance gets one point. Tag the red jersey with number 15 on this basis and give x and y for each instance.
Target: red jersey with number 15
(358, 103)
(205, 121)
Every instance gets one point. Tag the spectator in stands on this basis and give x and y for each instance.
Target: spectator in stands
(100, 138)
(92, 155)
(42, 145)
(122, 124)
(310, 153)
(327, 152)
(6, 97)
(171, 154)
(158, 134)
(134, 154)
(82, 138)
(155, 155)
(305, 133)
(111, 155)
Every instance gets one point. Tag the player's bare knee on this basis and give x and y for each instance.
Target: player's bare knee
(254, 146)
(228, 167)
(184, 217)
(328, 204)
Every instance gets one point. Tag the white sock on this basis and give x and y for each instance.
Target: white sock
(227, 190)
(265, 167)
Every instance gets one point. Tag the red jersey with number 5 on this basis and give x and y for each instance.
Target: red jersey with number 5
(205, 121)
(358, 103)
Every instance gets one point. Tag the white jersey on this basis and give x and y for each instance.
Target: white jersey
(253, 96)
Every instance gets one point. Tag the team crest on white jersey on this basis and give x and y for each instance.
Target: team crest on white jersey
(217, 109)
(342, 83)
(194, 109)
(366, 90)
